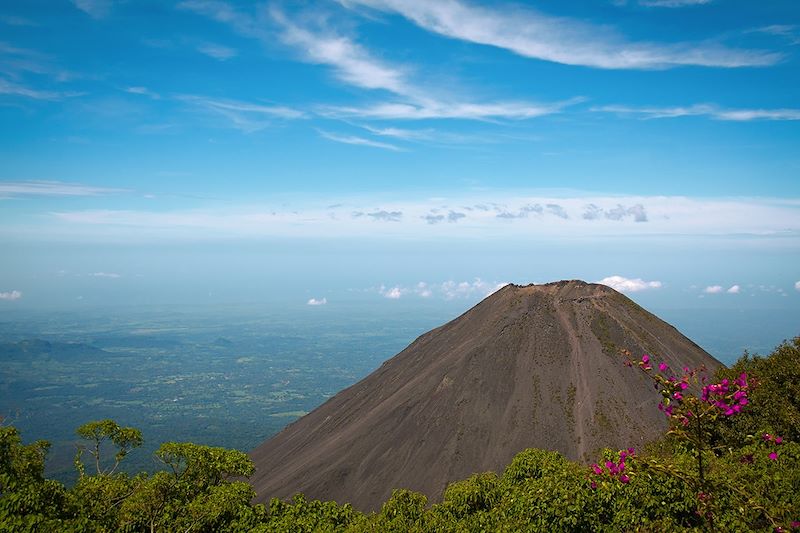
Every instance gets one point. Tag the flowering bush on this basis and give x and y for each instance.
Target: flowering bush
(691, 423)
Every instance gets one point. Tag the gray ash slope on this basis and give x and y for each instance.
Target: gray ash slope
(529, 366)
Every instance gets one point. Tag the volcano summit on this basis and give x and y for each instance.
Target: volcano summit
(534, 366)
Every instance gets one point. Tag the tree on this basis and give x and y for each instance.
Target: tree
(124, 438)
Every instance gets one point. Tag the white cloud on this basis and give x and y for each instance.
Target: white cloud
(451, 289)
(423, 290)
(734, 289)
(15, 89)
(393, 293)
(53, 188)
(789, 32)
(110, 275)
(94, 8)
(359, 141)
(351, 63)
(667, 216)
(673, 3)
(797, 285)
(713, 289)
(443, 109)
(245, 116)
(12, 20)
(315, 301)
(11, 295)
(217, 51)
(354, 65)
(708, 110)
(623, 284)
(559, 39)
(144, 91)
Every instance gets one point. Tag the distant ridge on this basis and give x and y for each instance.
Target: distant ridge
(529, 366)
(36, 348)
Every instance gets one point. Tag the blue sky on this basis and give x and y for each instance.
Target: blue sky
(398, 150)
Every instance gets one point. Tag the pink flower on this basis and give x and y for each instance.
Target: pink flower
(645, 359)
(767, 437)
(773, 456)
(594, 485)
(662, 367)
(596, 469)
(678, 396)
(624, 479)
(778, 440)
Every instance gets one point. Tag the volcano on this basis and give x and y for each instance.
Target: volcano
(534, 366)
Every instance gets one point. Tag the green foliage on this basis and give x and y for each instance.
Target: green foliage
(28, 501)
(124, 439)
(775, 398)
(403, 511)
(751, 483)
(306, 516)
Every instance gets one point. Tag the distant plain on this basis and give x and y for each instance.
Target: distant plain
(233, 376)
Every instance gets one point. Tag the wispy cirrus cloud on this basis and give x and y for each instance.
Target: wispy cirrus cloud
(245, 116)
(32, 74)
(354, 65)
(16, 89)
(790, 32)
(144, 91)
(13, 189)
(673, 3)
(96, 9)
(563, 40)
(13, 20)
(433, 109)
(254, 26)
(708, 110)
(217, 51)
(359, 141)
(351, 62)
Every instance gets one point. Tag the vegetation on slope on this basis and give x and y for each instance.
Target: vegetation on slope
(749, 477)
